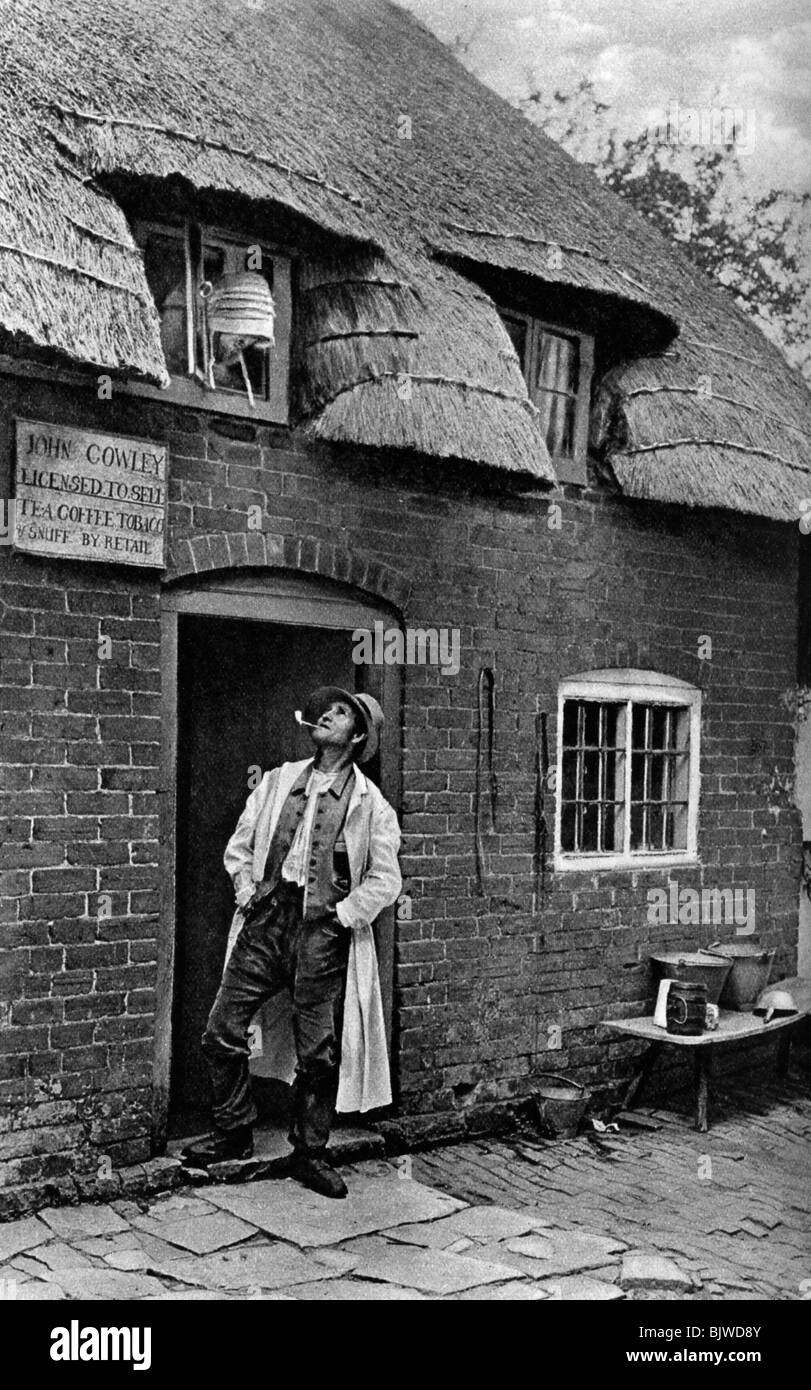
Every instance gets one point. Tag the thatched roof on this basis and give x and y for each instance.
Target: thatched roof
(71, 278)
(379, 359)
(718, 419)
(303, 104)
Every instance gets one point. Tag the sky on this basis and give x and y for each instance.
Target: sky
(645, 55)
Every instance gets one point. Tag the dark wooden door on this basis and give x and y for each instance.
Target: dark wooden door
(238, 685)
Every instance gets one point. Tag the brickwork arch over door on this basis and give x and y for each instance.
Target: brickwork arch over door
(239, 550)
(239, 653)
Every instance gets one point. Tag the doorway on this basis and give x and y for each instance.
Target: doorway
(239, 675)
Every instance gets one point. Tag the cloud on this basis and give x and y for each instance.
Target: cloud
(644, 54)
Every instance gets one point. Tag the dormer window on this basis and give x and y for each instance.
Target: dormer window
(187, 268)
(557, 365)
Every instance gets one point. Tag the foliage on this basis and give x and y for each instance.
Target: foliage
(754, 243)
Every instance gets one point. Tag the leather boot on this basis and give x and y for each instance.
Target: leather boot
(220, 1146)
(317, 1174)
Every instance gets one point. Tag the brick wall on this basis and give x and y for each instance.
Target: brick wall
(480, 980)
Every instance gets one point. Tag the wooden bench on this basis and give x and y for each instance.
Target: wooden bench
(732, 1027)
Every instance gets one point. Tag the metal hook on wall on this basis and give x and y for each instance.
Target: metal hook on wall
(485, 744)
(541, 824)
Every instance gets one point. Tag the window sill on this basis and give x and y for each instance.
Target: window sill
(186, 392)
(587, 863)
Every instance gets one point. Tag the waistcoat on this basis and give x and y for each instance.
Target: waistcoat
(328, 868)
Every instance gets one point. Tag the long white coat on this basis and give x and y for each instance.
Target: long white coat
(372, 838)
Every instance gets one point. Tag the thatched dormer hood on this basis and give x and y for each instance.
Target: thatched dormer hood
(300, 104)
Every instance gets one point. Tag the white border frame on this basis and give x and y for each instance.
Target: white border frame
(648, 687)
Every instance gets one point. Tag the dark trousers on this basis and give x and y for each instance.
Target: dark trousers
(274, 950)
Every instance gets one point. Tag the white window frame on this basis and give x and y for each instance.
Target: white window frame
(188, 390)
(574, 469)
(630, 687)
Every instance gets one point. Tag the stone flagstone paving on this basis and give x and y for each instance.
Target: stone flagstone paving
(655, 1211)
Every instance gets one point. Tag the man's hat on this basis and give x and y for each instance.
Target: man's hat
(366, 706)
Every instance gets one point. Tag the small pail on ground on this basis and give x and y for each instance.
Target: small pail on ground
(561, 1104)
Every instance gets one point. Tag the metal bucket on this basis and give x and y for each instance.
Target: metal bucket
(561, 1105)
(749, 976)
(694, 968)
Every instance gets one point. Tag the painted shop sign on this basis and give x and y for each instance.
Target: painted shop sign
(81, 495)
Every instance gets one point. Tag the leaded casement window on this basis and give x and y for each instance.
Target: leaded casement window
(627, 770)
(557, 364)
(181, 263)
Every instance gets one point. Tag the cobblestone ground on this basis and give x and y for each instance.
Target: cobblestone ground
(653, 1212)
(731, 1208)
